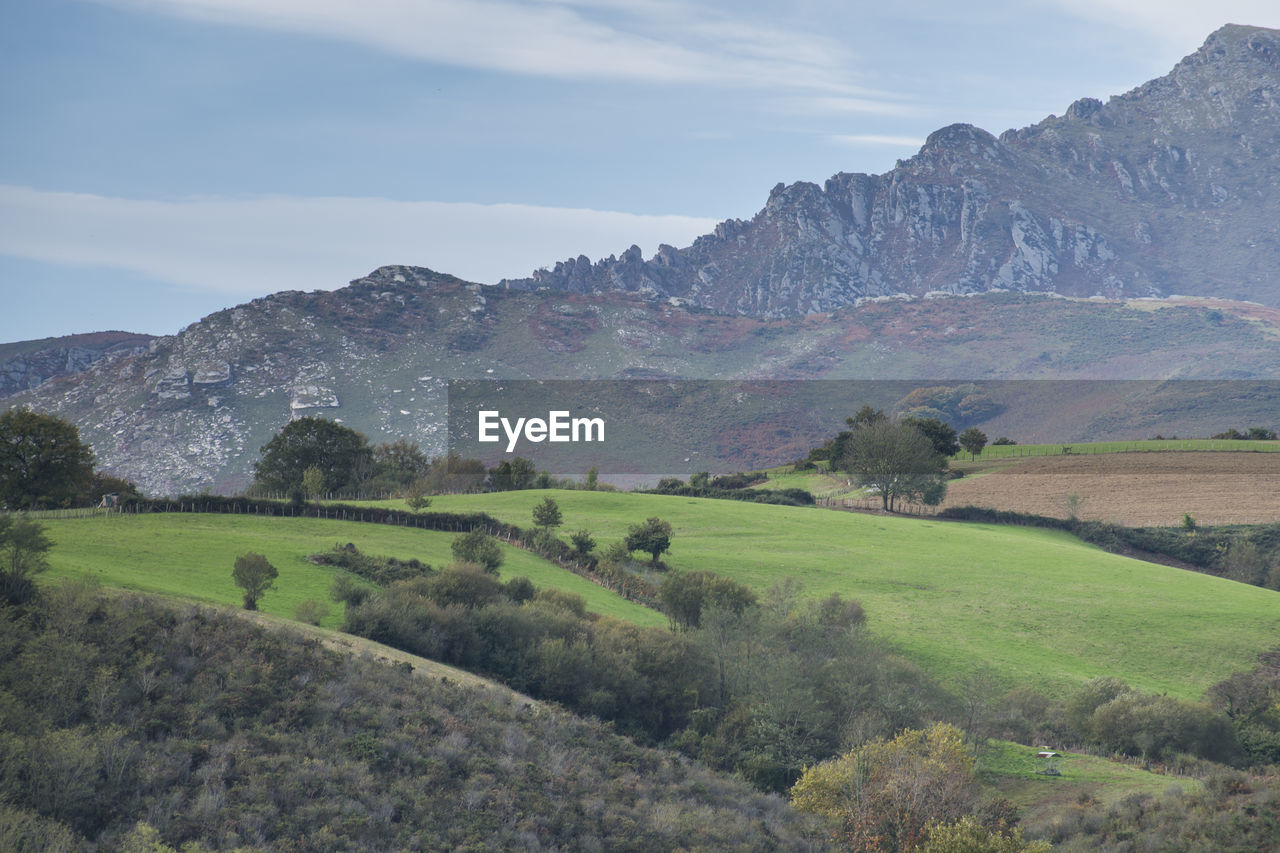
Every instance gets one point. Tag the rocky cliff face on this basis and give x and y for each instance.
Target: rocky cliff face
(28, 364)
(1172, 188)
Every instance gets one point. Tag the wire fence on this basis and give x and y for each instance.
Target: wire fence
(873, 504)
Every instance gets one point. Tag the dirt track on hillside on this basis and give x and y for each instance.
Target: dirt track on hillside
(1134, 488)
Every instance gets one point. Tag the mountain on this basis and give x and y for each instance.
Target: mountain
(26, 364)
(1040, 254)
(1171, 188)
(191, 411)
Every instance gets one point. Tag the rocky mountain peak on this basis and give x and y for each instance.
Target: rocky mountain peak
(1170, 188)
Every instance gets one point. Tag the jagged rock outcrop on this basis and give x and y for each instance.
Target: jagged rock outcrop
(27, 364)
(1172, 188)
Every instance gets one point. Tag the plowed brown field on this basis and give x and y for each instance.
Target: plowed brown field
(1133, 488)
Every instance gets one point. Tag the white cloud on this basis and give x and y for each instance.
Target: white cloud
(1181, 24)
(853, 105)
(860, 139)
(650, 40)
(259, 245)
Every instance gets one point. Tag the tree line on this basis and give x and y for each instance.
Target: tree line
(312, 457)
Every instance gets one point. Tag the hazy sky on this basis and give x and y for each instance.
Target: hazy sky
(163, 159)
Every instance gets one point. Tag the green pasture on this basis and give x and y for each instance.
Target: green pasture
(191, 555)
(1039, 607)
(1018, 451)
(1014, 772)
(816, 482)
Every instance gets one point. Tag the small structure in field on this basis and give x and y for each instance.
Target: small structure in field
(1051, 760)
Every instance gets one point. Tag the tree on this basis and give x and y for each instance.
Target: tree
(583, 543)
(22, 549)
(313, 482)
(883, 795)
(940, 434)
(255, 576)
(341, 454)
(895, 459)
(42, 460)
(513, 475)
(103, 484)
(477, 547)
(686, 595)
(866, 416)
(973, 440)
(547, 515)
(415, 495)
(400, 461)
(653, 537)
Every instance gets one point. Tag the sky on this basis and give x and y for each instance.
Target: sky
(164, 159)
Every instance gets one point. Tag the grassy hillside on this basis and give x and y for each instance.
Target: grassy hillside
(192, 555)
(1038, 606)
(1014, 772)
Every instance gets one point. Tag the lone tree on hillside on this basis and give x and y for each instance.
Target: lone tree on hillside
(547, 515)
(22, 549)
(895, 459)
(653, 537)
(339, 453)
(42, 460)
(255, 576)
(973, 440)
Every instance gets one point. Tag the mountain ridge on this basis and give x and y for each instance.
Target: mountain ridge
(1102, 201)
(191, 411)
(863, 278)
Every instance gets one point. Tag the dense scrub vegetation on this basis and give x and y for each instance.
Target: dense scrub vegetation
(761, 688)
(1234, 813)
(128, 723)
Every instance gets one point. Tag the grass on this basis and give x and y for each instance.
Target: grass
(192, 556)
(1011, 771)
(817, 482)
(1039, 607)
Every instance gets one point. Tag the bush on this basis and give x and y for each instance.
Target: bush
(377, 570)
(478, 547)
(311, 611)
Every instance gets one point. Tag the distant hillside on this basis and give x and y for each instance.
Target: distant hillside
(192, 410)
(1168, 189)
(27, 364)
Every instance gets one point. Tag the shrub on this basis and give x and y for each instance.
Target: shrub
(478, 547)
(311, 611)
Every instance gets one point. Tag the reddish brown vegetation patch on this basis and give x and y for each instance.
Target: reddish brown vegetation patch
(1134, 488)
